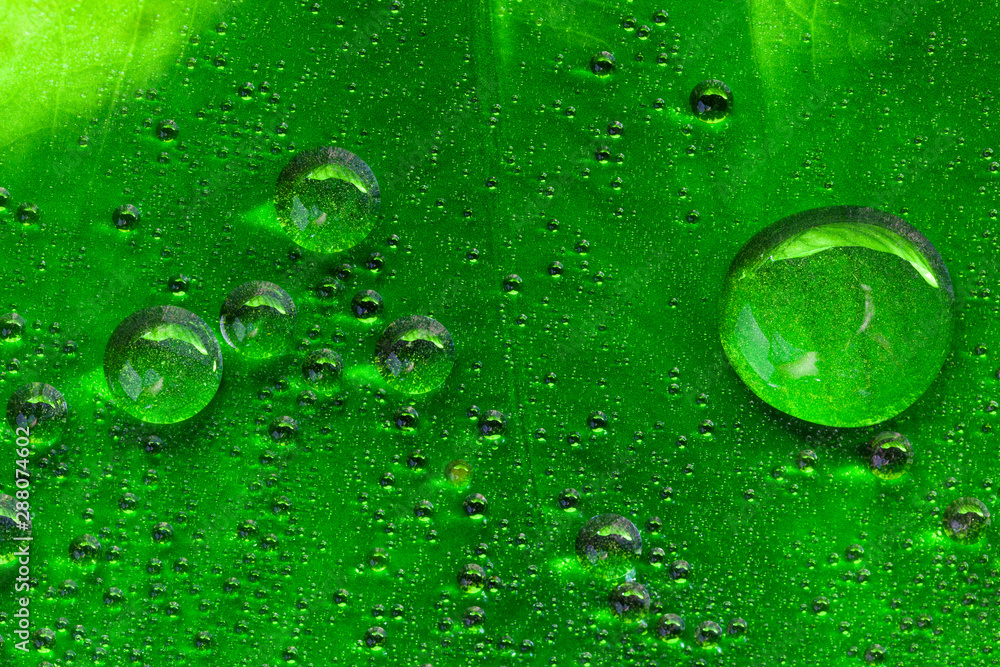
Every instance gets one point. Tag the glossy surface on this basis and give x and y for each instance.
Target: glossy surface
(840, 316)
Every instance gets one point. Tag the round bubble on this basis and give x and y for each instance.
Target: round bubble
(415, 354)
(609, 545)
(889, 455)
(841, 316)
(326, 199)
(668, 627)
(11, 327)
(629, 601)
(125, 217)
(84, 548)
(38, 409)
(711, 101)
(323, 369)
(163, 364)
(966, 520)
(471, 579)
(602, 64)
(257, 319)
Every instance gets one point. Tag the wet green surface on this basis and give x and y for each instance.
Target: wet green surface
(249, 533)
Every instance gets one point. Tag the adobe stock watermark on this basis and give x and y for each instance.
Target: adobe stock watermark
(18, 511)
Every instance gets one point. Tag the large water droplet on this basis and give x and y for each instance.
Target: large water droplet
(326, 199)
(609, 545)
(415, 354)
(257, 319)
(965, 520)
(840, 316)
(38, 409)
(163, 364)
(889, 455)
(712, 101)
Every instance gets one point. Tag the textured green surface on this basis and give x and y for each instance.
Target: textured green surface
(238, 537)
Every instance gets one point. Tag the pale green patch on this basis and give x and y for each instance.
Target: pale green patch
(340, 172)
(68, 61)
(847, 235)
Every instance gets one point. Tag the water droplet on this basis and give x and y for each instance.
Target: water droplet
(680, 570)
(84, 548)
(167, 130)
(27, 213)
(125, 217)
(602, 64)
(203, 640)
(512, 284)
(458, 472)
(4, 198)
(41, 409)
(840, 316)
(257, 319)
(375, 637)
(708, 634)
(378, 559)
(609, 545)
(569, 499)
(473, 617)
(415, 354)
(889, 455)
(668, 627)
(11, 327)
(597, 421)
(712, 101)
(163, 532)
(326, 199)
(629, 601)
(806, 460)
(323, 369)
(367, 305)
(163, 364)
(471, 579)
(965, 520)
(475, 505)
(406, 419)
(492, 424)
(283, 429)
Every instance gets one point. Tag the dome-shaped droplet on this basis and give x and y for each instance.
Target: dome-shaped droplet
(609, 545)
(163, 364)
(630, 601)
(889, 455)
(712, 101)
(323, 369)
(125, 217)
(11, 328)
(965, 520)
(602, 64)
(327, 199)
(840, 316)
(257, 319)
(38, 412)
(415, 354)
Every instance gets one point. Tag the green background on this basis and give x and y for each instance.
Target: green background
(481, 122)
